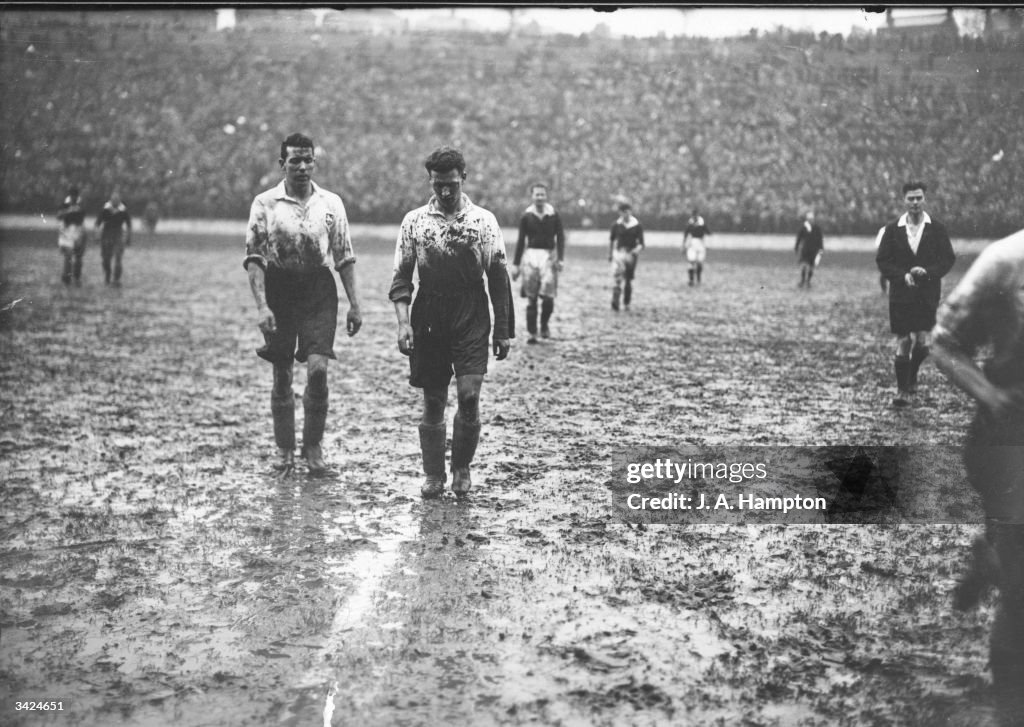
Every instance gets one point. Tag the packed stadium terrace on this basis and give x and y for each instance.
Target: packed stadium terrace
(752, 131)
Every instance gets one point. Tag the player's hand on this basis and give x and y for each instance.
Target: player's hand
(267, 322)
(405, 339)
(515, 272)
(909, 280)
(918, 272)
(501, 348)
(559, 264)
(353, 321)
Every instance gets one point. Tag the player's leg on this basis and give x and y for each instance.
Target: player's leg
(1006, 653)
(118, 253)
(316, 300)
(618, 272)
(282, 409)
(314, 405)
(465, 431)
(432, 440)
(548, 288)
(79, 254)
(531, 318)
(810, 272)
(918, 353)
(68, 254)
(106, 252)
(901, 367)
(547, 307)
(627, 287)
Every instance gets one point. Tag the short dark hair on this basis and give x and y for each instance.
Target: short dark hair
(914, 185)
(623, 206)
(538, 184)
(300, 141)
(73, 191)
(444, 159)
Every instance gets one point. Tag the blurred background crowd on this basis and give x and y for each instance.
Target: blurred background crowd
(753, 131)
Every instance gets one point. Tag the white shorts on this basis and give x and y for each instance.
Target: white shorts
(695, 251)
(540, 273)
(71, 237)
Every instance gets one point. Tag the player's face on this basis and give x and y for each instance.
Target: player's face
(914, 200)
(540, 196)
(447, 187)
(298, 165)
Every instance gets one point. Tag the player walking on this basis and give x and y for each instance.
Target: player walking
(626, 243)
(541, 250)
(986, 310)
(115, 236)
(297, 232)
(72, 238)
(914, 255)
(693, 245)
(454, 245)
(810, 242)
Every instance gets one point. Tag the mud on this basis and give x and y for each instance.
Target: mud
(154, 570)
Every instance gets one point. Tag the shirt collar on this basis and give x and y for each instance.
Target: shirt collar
(433, 208)
(547, 211)
(925, 219)
(281, 192)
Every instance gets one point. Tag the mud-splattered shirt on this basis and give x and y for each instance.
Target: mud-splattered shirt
(987, 309)
(453, 256)
(285, 234)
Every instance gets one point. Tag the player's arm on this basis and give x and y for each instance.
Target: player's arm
(127, 229)
(640, 238)
(945, 258)
(401, 284)
(885, 258)
(520, 247)
(559, 240)
(499, 288)
(255, 264)
(340, 240)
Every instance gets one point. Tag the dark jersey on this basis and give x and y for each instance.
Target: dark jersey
(540, 232)
(627, 238)
(112, 219)
(71, 212)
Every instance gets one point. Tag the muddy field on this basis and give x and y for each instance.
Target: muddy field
(153, 570)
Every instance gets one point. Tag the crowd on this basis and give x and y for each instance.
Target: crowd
(753, 131)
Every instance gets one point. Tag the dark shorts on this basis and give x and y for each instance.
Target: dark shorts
(305, 307)
(450, 336)
(994, 460)
(910, 315)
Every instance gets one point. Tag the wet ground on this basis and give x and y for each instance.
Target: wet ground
(154, 571)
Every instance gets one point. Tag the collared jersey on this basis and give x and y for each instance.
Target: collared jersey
(987, 307)
(913, 231)
(453, 256)
(71, 212)
(285, 234)
(628, 235)
(448, 255)
(540, 231)
(696, 227)
(112, 219)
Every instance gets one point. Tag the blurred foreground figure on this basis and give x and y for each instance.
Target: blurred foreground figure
(914, 255)
(115, 225)
(693, 245)
(542, 239)
(297, 233)
(72, 238)
(454, 245)
(810, 242)
(626, 243)
(986, 309)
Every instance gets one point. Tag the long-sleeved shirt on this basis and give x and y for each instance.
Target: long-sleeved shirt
(987, 307)
(453, 256)
(627, 235)
(112, 219)
(540, 230)
(288, 235)
(71, 212)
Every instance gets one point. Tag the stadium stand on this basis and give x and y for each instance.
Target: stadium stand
(750, 130)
